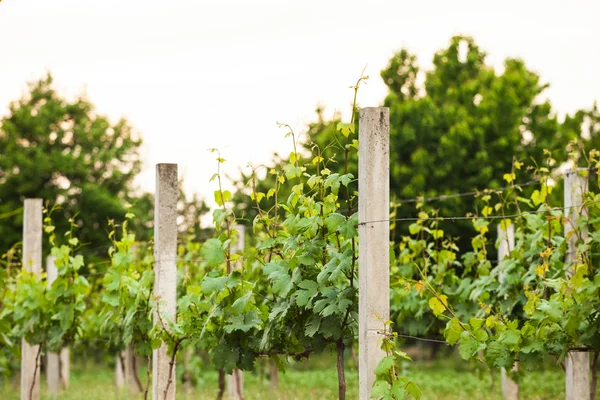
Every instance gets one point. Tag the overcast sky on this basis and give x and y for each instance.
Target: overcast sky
(190, 75)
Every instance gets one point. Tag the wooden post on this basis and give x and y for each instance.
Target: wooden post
(235, 387)
(32, 262)
(506, 237)
(373, 240)
(165, 274)
(577, 366)
(52, 359)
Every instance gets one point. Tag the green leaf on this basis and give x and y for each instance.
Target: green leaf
(291, 171)
(412, 390)
(212, 250)
(453, 331)
(436, 305)
(303, 297)
(313, 326)
(282, 281)
(476, 323)
(380, 389)
(218, 197)
(538, 197)
(383, 366)
(333, 221)
(510, 337)
(243, 322)
(552, 309)
(468, 346)
(225, 356)
(414, 228)
(349, 228)
(210, 285)
(497, 355)
(240, 304)
(345, 128)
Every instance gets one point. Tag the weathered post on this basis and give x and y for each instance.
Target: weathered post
(577, 366)
(165, 274)
(235, 388)
(65, 367)
(52, 359)
(130, 370)
(120, 370)
(373, 239)
(506, 237)
(32, 262)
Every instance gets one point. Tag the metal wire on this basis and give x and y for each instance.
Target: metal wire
(489, 217)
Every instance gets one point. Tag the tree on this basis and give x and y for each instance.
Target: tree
(461, 129)
(64, 152)
(457, 127)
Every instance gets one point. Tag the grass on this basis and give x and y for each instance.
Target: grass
(445, 380)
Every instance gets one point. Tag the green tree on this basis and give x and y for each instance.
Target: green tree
(457, 127)
(461, 129)
(66, 153)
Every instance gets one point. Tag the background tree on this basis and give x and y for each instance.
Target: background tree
(64, 152)
(457, 127)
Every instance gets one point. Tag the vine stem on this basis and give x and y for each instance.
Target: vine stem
(172, 365)
(227, 224)
(221, 384)
(148, 376)
(37, 363)
(340, 369)
(135, 371)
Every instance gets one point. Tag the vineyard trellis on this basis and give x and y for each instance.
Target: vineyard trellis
(237, 306)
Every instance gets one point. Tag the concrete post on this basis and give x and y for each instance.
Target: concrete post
(52, 359)
(65, 367)
(119, 370)
(510, 389)
(577, 366)
(235, 387)
(129, 358)
(32, 262)
(373, 239)
(165, 273)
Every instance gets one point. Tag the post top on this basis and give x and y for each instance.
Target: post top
(574, 171)
(33, 200)
(373, 110)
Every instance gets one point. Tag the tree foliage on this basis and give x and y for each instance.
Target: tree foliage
(67, 154)
(64, 152)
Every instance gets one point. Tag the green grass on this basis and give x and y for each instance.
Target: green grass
(318, 380)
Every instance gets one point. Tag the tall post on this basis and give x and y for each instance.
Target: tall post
(577, 366)
(373, 239)
(235, 387)
(506, 238)
(165, 274)
(32, 262)
(52, 359)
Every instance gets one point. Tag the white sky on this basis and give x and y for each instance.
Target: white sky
(190, 75)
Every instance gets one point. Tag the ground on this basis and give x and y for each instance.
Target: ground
(443, 380)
